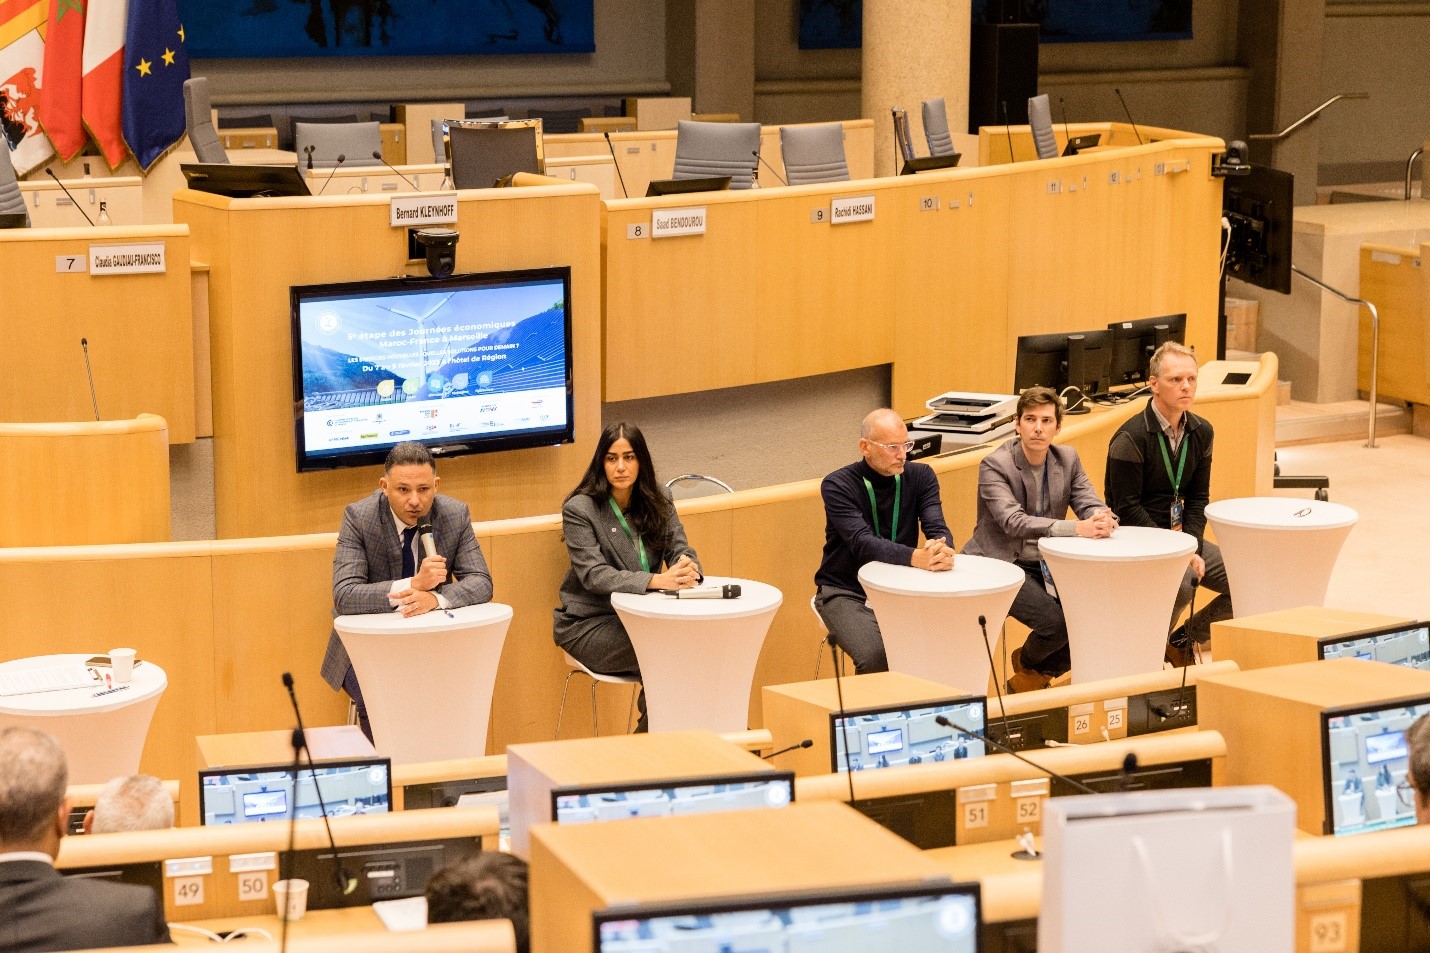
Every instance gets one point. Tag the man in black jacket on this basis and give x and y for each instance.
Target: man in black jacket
(39, 909)
(1159, 467)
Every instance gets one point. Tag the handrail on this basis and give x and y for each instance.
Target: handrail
(1374, 342)
(1409, 165)
(1306, 118)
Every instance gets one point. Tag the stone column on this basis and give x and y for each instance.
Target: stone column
(1281, 42)
(913, 50)
(710, 54)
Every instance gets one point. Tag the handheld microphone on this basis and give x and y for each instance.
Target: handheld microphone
(761, 160)
(1132, 122)
(806, 743)
(1004, 749)
(424, 533)
(51, 173)
(341, 159)
(345, 883)
(997, 682)
(731, 591)
(377, 154)
(1008, 131)
(843, 718)
(308, 150)
(89, 373)
(616, 162)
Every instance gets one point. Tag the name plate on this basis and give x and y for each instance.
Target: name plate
(438, 209)
(852, 208)
(669, 222)
(138, 259)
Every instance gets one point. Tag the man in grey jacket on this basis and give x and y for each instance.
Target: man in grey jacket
(379, 566)
(1025, 488)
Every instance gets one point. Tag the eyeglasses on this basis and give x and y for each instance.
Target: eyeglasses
(1405, 791)
(906, 446)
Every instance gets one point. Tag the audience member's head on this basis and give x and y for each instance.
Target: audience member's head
(884, 441)
(135, 803)
(33, 775)
(485, 886)
(1418, 740)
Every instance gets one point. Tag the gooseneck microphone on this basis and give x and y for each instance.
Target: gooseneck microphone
(806, 743)
(731, 591)
(843, 718)
(616, 162)
(997, 682)
(762, 161)
(345, 883)
(341, 159)
(424, 533)
(1063, 107)
(1132, 122)
(89, 373)
(377, 154)
(1008, 131)
(51, 173)
(1004, 749)
(308, 151)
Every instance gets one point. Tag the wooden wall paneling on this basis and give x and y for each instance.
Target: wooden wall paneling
(1391, 278)
(1183, 258)
(139, 329)
(1244, 421)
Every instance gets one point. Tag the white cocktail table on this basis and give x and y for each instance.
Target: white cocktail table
(1117, 596)
(1279, 551)
(698, 656)
(103, 736)
(427, 681)
(929, 620)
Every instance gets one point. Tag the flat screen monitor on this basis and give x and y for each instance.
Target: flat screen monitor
(929, 163)
(244, 181)
(265, 793)
(1078, 143)
(889, 736)
(1407, 645)
(1258, 206)
(1133, 343)
(905, 918)
(587, 804)
(1365, 759)
(708, 183)
(1082, 359)
(468, 364)
(14, 220)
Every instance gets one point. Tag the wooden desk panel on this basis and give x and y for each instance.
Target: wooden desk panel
(1393, 279)
(50, 207)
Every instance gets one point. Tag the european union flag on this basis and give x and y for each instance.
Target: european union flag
(156, 63)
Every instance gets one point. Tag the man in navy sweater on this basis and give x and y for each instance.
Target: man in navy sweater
(874, 509)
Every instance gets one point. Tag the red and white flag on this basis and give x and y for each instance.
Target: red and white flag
(104, 75)
(22, 65)
(59, 106)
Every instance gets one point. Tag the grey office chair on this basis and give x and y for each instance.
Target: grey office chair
(198, 121)
(483, 152)
(704, 149)
(439, 134)
(559, 121)
(1040, 119)
(814, 153)
(355, 141)
(935, 117)
(11, 201)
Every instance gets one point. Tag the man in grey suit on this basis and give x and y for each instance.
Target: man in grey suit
(1025, 487)
(378, 566)
(39, 909)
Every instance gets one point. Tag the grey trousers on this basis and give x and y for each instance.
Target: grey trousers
(854, 628)
(602, 645)
(1199, 625)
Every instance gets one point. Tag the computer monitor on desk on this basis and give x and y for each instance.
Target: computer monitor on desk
(1077, 143)
(1082, 360)
(245, 181)
(584, 804)
(709, 183)
(895, 735)
(1134, 342)
(1407, 645)
(905, 917)
(1365, 757)
(14, 220)
(266, 793)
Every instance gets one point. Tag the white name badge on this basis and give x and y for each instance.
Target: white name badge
(137, 259)
(430, 209)
(852, 208)
(669, 222)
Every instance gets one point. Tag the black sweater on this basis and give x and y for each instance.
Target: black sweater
(1137, 486)
(849, 540)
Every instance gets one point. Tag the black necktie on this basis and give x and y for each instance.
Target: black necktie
(409, 561)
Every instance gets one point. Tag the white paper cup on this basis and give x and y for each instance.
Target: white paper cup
(123, 662)
(292, 894)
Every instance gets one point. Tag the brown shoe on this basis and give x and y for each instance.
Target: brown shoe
(1179, 656)
(1025, 679)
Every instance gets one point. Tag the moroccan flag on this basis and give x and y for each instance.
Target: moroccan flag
(22, 64)
(156, 63)
(103, 75)
(59, 108)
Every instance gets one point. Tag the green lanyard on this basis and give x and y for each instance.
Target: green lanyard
(640, 546)
(874, 507)
(1167, 462)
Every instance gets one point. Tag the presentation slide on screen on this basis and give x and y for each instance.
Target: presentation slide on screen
(259, 796)
(1368, 759)
(432, 364)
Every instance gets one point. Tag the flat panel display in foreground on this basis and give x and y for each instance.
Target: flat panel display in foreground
(588, 803)
(240, 795)
(907, 734)
(1366, 757)
(1405, 645)
(941, 918)
(468, 364)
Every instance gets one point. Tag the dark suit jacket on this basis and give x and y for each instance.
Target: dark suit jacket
(369, 558)
(604, 560)
(41, 910)
(1005, 487)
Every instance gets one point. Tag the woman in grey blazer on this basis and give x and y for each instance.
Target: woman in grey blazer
(623, 535)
